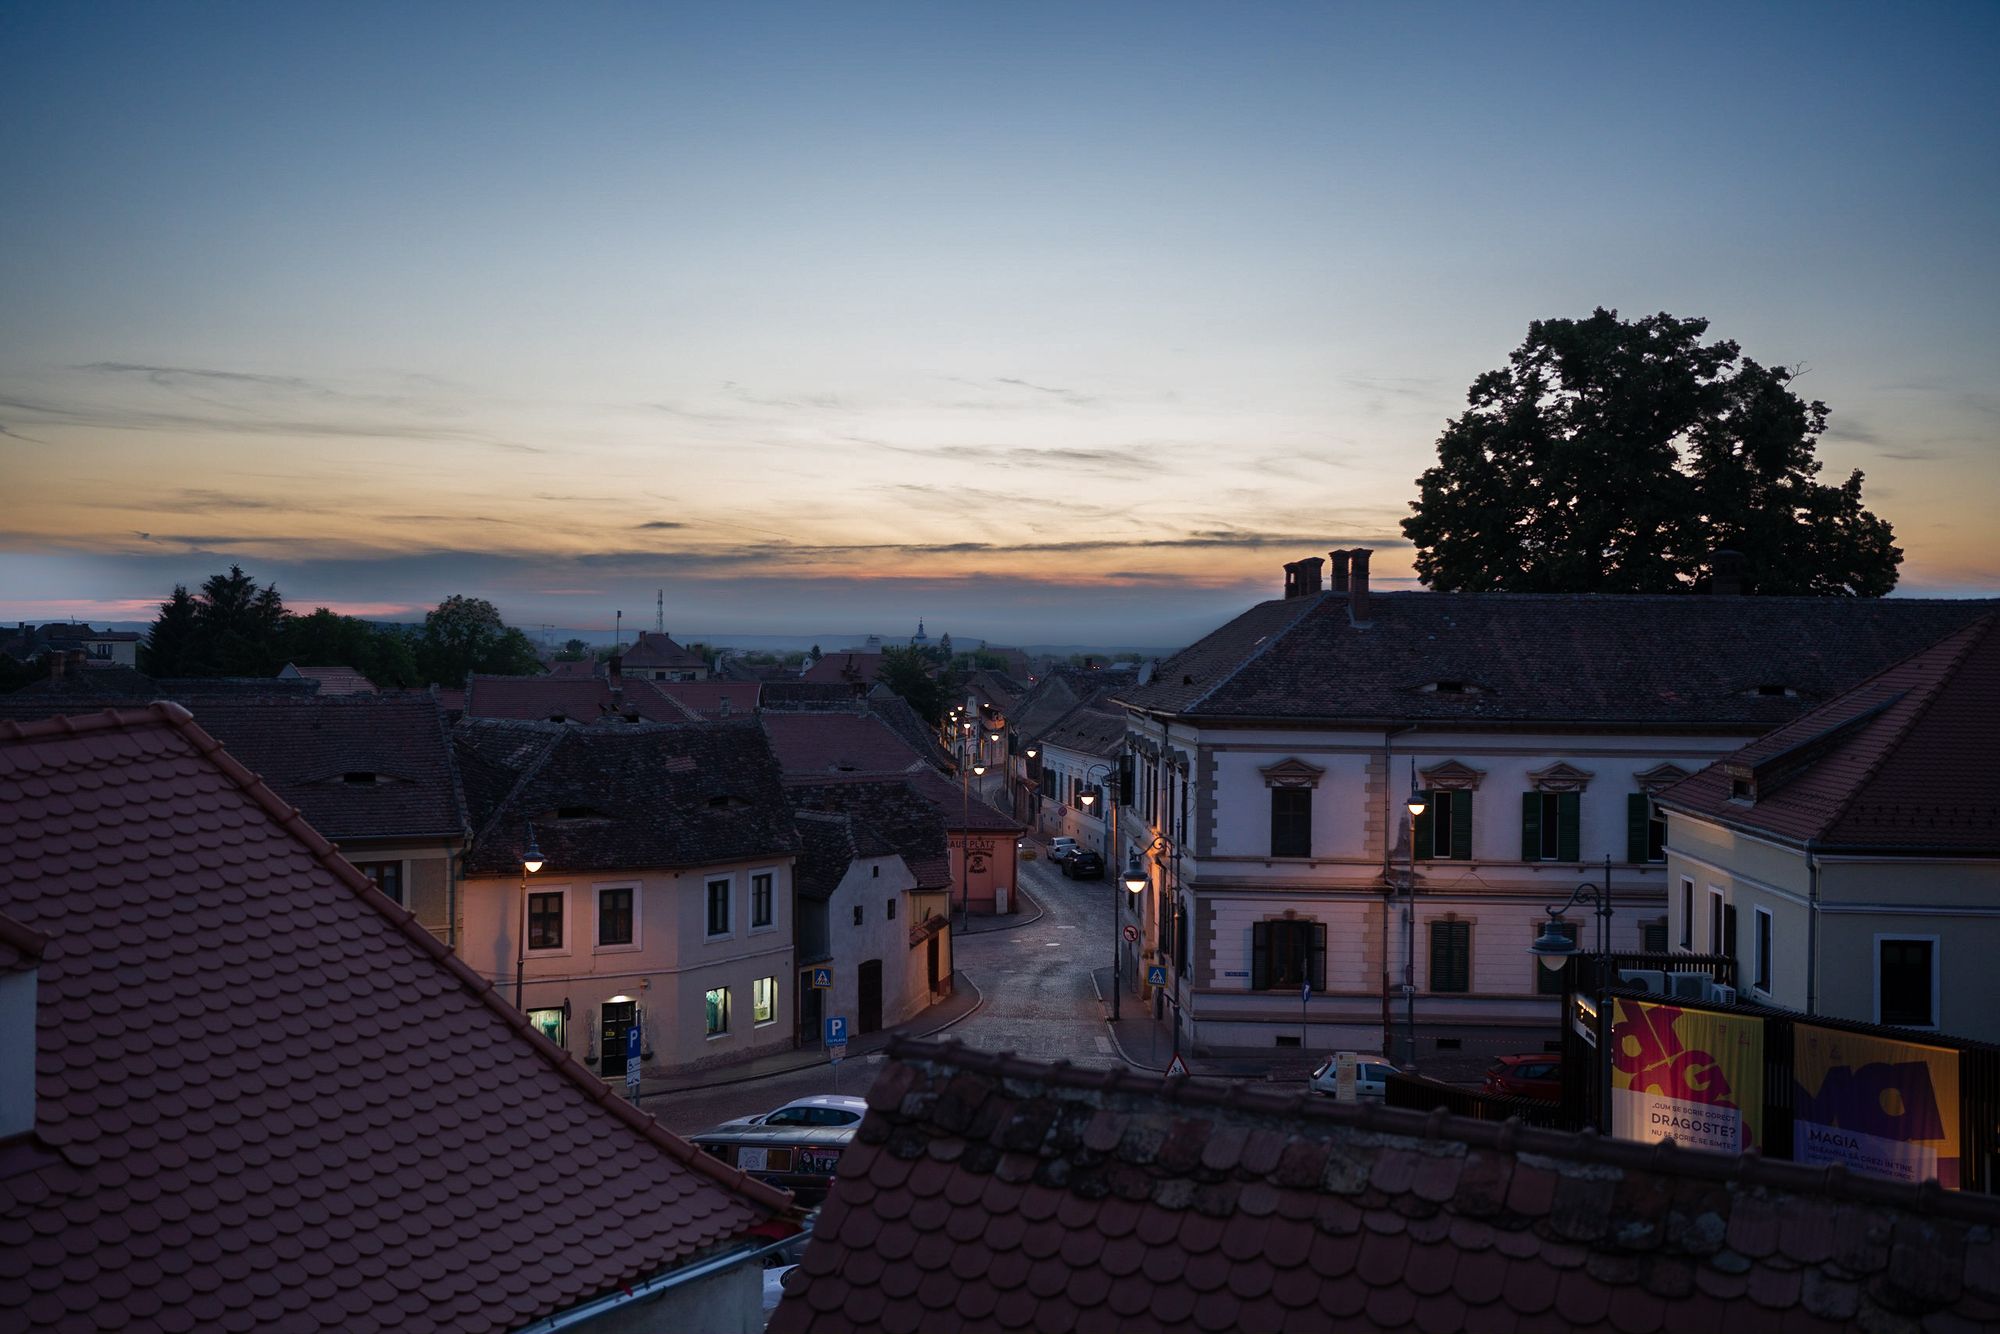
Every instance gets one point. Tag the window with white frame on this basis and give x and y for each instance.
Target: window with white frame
(718, 907)
(716, 1011)
(1761, 965)
(1714, 920)
(617, 922)
(548, 920)
(760, 899)
(387, 876)
(1906, 981)
(764, 1001)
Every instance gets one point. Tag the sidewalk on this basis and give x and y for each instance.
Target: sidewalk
(978, 924)
(965, 1000)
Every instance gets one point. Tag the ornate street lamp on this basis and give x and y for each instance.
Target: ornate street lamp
(1553, 949)
(1414, 804)
(531, 862)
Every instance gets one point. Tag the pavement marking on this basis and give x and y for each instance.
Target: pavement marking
(1104, 1046)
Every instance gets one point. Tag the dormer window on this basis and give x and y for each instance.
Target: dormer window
(1741, 789)
(1451, 686)
(1773, 690)
(576, 813)
(361, 778)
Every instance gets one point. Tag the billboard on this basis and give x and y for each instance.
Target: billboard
(1692, 1076)
(1881, 1107)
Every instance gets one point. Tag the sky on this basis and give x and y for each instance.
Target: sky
(1046, 323)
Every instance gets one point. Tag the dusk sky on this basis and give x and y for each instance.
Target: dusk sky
(1046, 323)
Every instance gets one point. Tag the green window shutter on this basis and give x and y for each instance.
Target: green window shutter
(1260, 955)
(1461, 824)
(1451, 949)
(1638, 814)
(1316, 962)
(1569, 832)
(1531, 826)
(1423, 823)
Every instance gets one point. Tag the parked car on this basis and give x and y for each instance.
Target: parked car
(821, 1109)
(1061, 848)
(1083, 865)
(1371, 1075)
(801, 1159)
(1535, 1074)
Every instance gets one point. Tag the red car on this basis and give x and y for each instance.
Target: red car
(1536, 1074)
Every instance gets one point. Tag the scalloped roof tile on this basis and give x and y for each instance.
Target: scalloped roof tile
(280, 1102)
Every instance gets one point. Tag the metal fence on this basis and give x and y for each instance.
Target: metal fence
(1423, 1095)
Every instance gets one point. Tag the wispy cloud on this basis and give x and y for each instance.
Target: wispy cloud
(654, 524)
(1066, 395)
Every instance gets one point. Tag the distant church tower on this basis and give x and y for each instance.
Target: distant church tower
(921, 638)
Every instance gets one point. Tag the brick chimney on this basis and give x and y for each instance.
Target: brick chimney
(1357, 584)
(615, 668)
(1726, 573)
(1302, 577)
(1339, 570)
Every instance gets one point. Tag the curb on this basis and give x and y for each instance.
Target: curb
(978, 1001)
(1014, 925)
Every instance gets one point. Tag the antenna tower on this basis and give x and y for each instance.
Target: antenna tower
(660, 612)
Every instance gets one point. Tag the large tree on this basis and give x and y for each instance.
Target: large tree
(467, 635)
(1615, 456)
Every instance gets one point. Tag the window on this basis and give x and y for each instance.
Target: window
(1548, 981)
(718, 1011)
(718, 907)
(1762, 967)
(857, 914)
(1445, 827)
(1291, 822)
(889, 909)
(614, 916)
(1653, 936)
(545, 920)
(1550, 824)
(549, 1023)
(1451, 956)
(1687, 914)
(1906, 981)
(764, 1000)
(1645, 829)
(388, 877)
(760, 899)
(1284, 955)
(1714, 920)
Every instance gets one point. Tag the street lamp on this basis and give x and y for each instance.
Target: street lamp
(1414, 803)
(965, 845)
(531, 862)
(1553, 949)
(1134, 877)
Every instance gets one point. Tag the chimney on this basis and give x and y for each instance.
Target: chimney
(1291, 580)
(725, 706)
(58, 663)
(1339, 570)
(615, 669)
(1357, 584)
(1726, 573)
(1305, 576)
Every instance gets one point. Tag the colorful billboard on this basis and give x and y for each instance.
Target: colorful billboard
(1885, 1108)
(1691, 1076)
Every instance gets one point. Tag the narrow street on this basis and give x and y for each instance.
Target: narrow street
(1039, 1002)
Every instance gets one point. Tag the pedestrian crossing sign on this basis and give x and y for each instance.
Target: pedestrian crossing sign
(1177, 1068)
(822, 979)
(1156, 975)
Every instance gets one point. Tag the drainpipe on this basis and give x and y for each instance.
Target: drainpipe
(1388, 871)
(1812, 930)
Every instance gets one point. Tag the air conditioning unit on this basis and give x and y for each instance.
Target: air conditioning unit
(1725, 995)
(1646, 979)
(1688, 986)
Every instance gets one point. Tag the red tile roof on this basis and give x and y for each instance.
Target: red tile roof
(338, 680)
(267, 1098)
(568, 699)
(820, 745)
(20, 948)
(657, 650)
(711, 699)
(572, 668)
(1902, 763)
(986, 1192)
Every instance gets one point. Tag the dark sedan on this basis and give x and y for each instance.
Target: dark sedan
(1084, 865)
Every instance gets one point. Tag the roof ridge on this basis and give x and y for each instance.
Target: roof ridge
(1971, 635)
(1269, 642)
(323, 852)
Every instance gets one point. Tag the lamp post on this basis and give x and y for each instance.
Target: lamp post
(1414, 803)
(1134, 877)
(965, 837)
(531, 862)
(1553, 949)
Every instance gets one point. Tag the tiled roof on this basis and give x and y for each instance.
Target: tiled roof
(961, 809)
(711, 699)
(568, 699)
(797, 694)
(574, 668)
(316, 750)
(1903, 762)
(986, 1192)
(1059, 692)
(1663, 660)
(20, 948)
(641, 796)
(266, 1098)
(338, 680)
(817, 745)
(657, 650)
(128, 683)
(829, 845)
(1088, 731)
(856, 668)
(893, 809)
